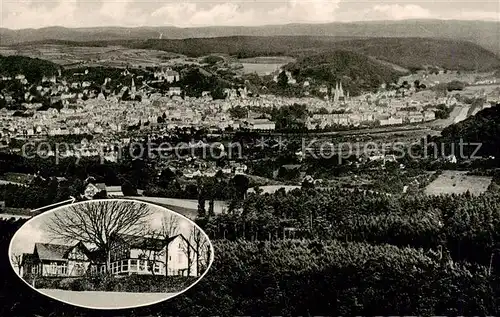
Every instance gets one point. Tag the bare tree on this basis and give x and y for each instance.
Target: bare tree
(189, 251)
(202, 250)
(150, 250)
(96, 222)
(206, 254)
(169, 228)
(16, 260)
(197, 240)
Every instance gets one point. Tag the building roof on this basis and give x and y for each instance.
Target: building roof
(56, 252)
(142, 242)
(291, 166)
(259, 121)
(52, 252)
(100, 186)
(28, 258)
(114, 189)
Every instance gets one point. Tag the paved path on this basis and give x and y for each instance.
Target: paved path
(462, 115)
(106, 300)
(459, 113)
(4, 182)
(187, 207)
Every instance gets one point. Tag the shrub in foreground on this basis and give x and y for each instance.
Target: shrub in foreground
(132, 283)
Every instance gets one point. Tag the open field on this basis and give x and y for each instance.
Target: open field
(271, 189)
(68, 56)
(264, 65)
(260, 69)
(489, 90)
(16, 178)
(457, 182)
(186, 207)
(106, 300)
(268, 60)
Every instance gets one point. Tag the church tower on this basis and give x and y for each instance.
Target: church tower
(342, 97)
(132, 88)
(336, 96)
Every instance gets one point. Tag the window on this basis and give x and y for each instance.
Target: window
(170, 258)
(118, 267)
(124, 265)
(62, 269)
(157, 267)
(76, 254)
(141, 265)
(133, 265)
(56, 268)
(180, 245)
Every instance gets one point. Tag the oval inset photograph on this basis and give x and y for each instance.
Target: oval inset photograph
(110, 254)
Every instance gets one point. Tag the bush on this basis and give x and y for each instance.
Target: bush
(76, 284)
(43, 282)
(67, 284)
(103, 282)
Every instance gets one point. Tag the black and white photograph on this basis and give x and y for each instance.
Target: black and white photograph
(249, 158)
(110, 253)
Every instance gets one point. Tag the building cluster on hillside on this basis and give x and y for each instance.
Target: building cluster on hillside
(192, 167)
(91, 109)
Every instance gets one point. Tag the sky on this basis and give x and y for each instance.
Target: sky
(19, 14)
(34, 231)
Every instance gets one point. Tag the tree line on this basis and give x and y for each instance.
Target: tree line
(464, 226)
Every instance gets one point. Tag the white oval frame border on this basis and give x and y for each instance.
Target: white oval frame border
(212, 256)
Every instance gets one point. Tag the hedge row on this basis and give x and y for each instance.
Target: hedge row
(131, 283)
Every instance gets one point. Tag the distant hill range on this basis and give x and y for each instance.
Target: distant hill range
(480, 32)
(464, 45)
(407, 53)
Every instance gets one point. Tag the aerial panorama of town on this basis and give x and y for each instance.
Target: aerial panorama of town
(341, 169)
